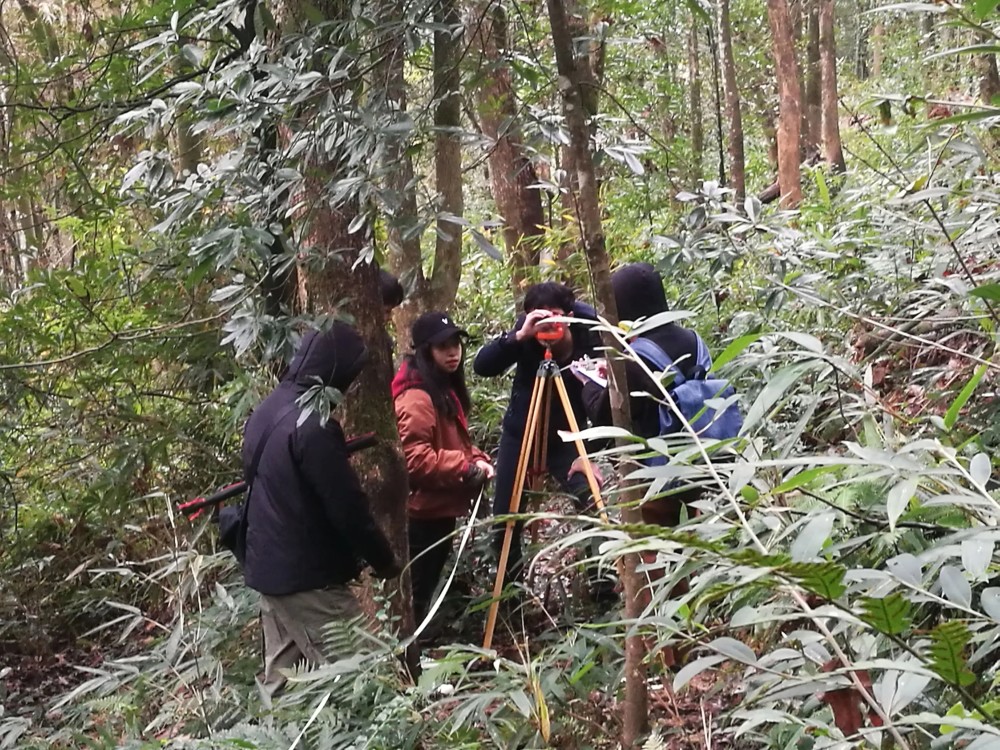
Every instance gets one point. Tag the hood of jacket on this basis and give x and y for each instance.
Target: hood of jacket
(335, 356)
(407, 377)
(638, 291)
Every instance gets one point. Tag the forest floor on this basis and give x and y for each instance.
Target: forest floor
(34, 675)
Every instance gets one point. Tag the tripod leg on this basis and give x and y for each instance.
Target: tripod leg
(527, 443)
(588, 472)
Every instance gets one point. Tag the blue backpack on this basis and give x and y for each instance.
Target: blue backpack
(690, 396)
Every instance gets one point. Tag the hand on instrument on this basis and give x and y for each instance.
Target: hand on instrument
(578, 468)
(533, 324)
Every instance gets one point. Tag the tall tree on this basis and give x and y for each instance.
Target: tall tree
(511, 172)
(636, 703)
(333, 279)
(447, 154)
(694, 83)
(589, 60)
(878, 47)
(832, 149)
(727, 62)
(812, 74)
(399, 198)
(789, 109)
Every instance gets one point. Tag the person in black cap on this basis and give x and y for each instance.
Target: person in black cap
(446, 470)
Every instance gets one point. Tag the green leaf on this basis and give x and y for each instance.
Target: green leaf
(803, 477)
(485, 245)
(948, 641)
(735, 348)
(987, 291)
(889, 615)
(966, 393)
(983, 8)
(825, 579)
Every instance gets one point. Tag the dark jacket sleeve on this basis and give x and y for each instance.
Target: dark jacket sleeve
(500, 354)
(321, 453)
(597, 402)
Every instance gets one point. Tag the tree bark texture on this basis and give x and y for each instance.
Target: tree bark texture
(831, 109)
(333, 282)
(877, 44)
(447, 155)
(737, 166)
(813, 75)
(586, 54)
(789, 114)
(989, 79)
(399, 203)
(511, 171)
(694, 84)
(636, 702)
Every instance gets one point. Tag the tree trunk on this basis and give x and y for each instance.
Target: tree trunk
(989, 79)
(719, 137)
(511, 171)
(580, 32)
(447, 155)
(797, 16)
(636, 703)
(789, 115)
(813, 75)
(694, 82)
(878, 41)
(736, 160)
(831, 111)
(331, 281)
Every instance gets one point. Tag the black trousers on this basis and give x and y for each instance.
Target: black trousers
(558, 462)
(429, 550)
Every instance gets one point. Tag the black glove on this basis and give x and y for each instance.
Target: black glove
(475, 476)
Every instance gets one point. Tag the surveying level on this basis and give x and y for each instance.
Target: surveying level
(534, 453)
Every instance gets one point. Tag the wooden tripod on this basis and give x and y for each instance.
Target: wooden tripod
(534, 445)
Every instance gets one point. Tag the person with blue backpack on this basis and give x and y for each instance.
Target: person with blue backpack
(684, 360)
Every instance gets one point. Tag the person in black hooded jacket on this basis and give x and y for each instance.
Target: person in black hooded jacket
(309, 528)
(638, 289)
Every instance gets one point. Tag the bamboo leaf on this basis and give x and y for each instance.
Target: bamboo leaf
(965, 394)
(735, 348)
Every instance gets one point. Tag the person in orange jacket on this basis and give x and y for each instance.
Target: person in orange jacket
(446, 471)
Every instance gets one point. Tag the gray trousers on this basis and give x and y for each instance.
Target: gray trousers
(293, 630)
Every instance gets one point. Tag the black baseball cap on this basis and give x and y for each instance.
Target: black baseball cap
(434, 328)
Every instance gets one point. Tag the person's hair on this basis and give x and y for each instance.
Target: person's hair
(438, 383)
(392, 291)
(549, 294)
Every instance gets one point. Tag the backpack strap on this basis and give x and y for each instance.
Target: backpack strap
(259, 451)
(703, 358)
(654, 355)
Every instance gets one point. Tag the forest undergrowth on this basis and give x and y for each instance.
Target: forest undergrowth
(841, 576)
